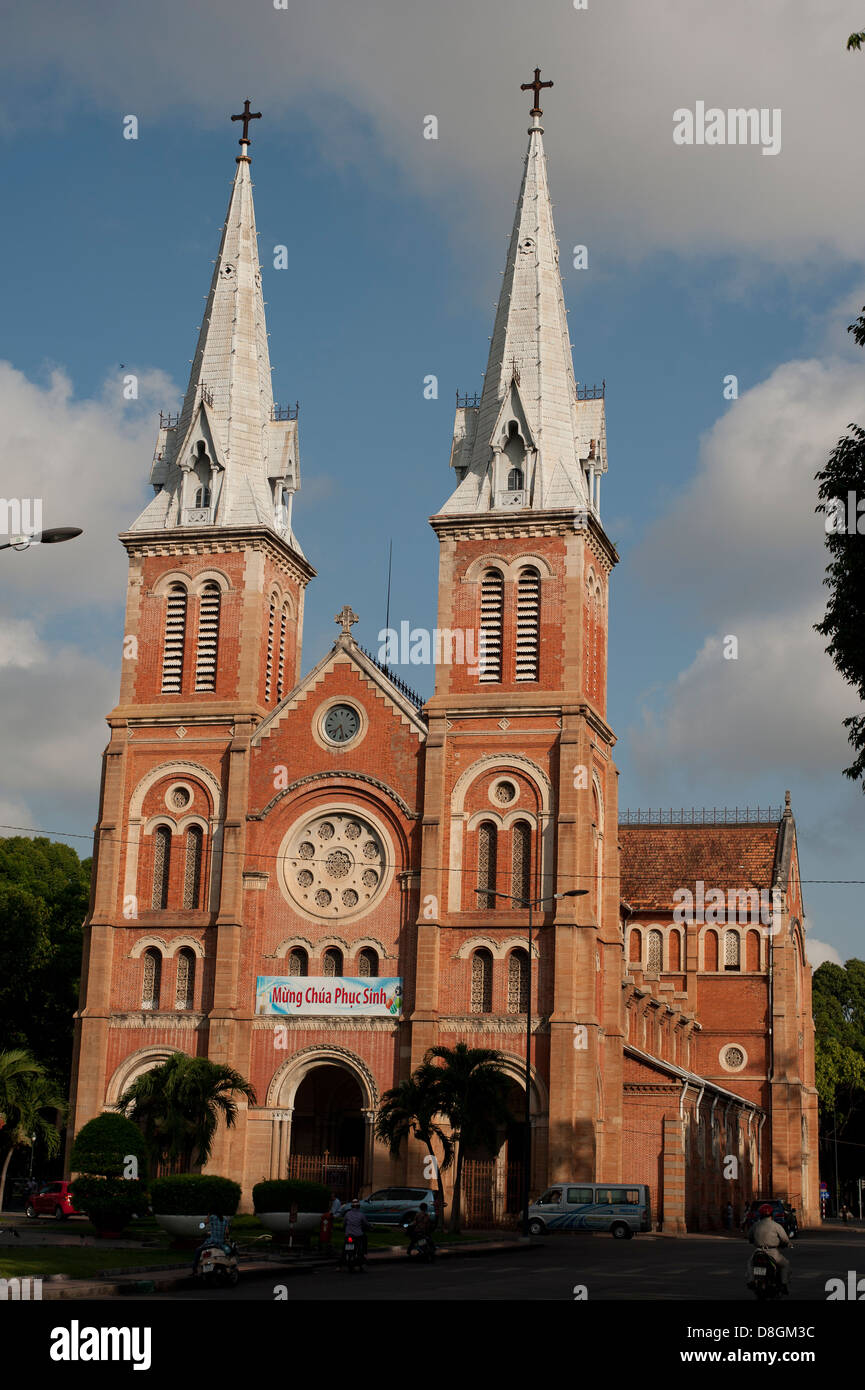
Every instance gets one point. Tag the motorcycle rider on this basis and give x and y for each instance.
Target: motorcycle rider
(771, 1237)
(421, 1227)
(217, 1235)
(356, 1226)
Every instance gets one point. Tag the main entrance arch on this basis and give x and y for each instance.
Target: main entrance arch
(324, 1102)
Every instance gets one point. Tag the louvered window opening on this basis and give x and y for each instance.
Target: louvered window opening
(297, 963)
(280, 674)
(192, 866)
(482, 983)
(731, 950)
(332, 963)
(367, 964)
(492, 616)
(528, 624)
(268, 677)
(175, 637)
(208, 638)
(518, 982)
(655, 951)
(486, 865)
(152, 980)
(520, 859)
(184, 988)
(161, 866)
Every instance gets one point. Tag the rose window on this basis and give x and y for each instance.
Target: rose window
(734, 1058)
(334, 865)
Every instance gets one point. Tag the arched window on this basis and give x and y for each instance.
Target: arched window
(515, 480)
(192, 866)
(487, 847)
(491, 620)
(655, 951)
(268, 675)
(731, 950)
(367, 964)
(710, 956)
(675, 951)
(175, 638)
(752, 951)
(152, 979)
(636, 945)
(184, 990)
(521, 850)
(202, 496)
(161, 867)
(482, 982)
(528, 623)
(332, 965)
(298, 961)
(518, 981)
(208, 637)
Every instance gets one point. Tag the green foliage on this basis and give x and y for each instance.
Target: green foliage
(194, 1194)
(838, 1003)
(856, 40)
(471, 1090)
(103, 1145)
(110, 1203)
(29, 1102)
(283, 1194)
(178, 1106)
(44, 894)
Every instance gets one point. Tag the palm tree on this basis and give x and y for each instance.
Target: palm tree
(410, 1109)
(178, 1106)
(27, 1090)
(471, 1089)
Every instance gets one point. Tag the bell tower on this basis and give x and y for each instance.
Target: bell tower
(520, 794)
(212, 643)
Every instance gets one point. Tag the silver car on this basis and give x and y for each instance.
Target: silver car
(395, 1206)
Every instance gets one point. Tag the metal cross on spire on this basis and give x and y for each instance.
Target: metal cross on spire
(535, 87)
(246, 116)
(348, 618)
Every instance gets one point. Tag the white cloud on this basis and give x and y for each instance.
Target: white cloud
(820, 951)
(370, 74)
(19, 643)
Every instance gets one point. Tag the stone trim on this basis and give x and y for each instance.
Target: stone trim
(327, 776)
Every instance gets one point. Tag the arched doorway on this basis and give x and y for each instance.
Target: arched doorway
(493, 1181)
(329, 1130)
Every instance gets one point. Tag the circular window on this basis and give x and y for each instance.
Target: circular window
(334, 865)
(504, 792)
(178, 797)
(733, 1058)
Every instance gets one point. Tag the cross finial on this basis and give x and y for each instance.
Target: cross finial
(348, 618)
(246, 116)
(535, 87)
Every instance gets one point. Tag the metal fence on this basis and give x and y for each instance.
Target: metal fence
(491, 1192)
(340, 1174)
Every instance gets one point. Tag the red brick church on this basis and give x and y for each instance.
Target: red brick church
(296, 874)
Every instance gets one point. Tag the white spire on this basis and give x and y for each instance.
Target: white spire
(225, 461)
(529, 422)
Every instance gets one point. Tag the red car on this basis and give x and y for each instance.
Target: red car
(51, 1200)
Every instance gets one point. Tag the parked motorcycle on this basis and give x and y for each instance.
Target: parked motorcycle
(218, 1267)
(765, 1277)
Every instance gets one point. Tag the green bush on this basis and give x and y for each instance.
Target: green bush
(283, 1194)
(194, 1194)
(104, 1144)
(109, 1203)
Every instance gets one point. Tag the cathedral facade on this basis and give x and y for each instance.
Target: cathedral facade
(315, 877)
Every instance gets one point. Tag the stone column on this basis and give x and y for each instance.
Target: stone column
(673, 1212)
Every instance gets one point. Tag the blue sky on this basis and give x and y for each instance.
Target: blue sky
(395, 246)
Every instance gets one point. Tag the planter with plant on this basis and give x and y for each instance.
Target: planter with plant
(275, 1201)
(109, 1156)
(181, 1204)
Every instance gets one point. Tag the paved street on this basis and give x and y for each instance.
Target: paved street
(647, 1268)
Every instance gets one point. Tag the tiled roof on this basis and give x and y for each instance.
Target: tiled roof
(657, 859)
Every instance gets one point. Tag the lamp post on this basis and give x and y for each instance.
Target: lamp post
(530, 903)
(53, 536)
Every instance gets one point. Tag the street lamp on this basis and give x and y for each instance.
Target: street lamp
(530, 903)
(53, 536)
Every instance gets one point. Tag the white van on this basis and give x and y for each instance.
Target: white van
(620, 1208)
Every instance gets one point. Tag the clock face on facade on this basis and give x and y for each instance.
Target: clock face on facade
(341, 723)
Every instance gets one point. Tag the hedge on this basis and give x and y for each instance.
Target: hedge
(110, 1202)
(194, 1194)
(283, 1194)
(104, 1144)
